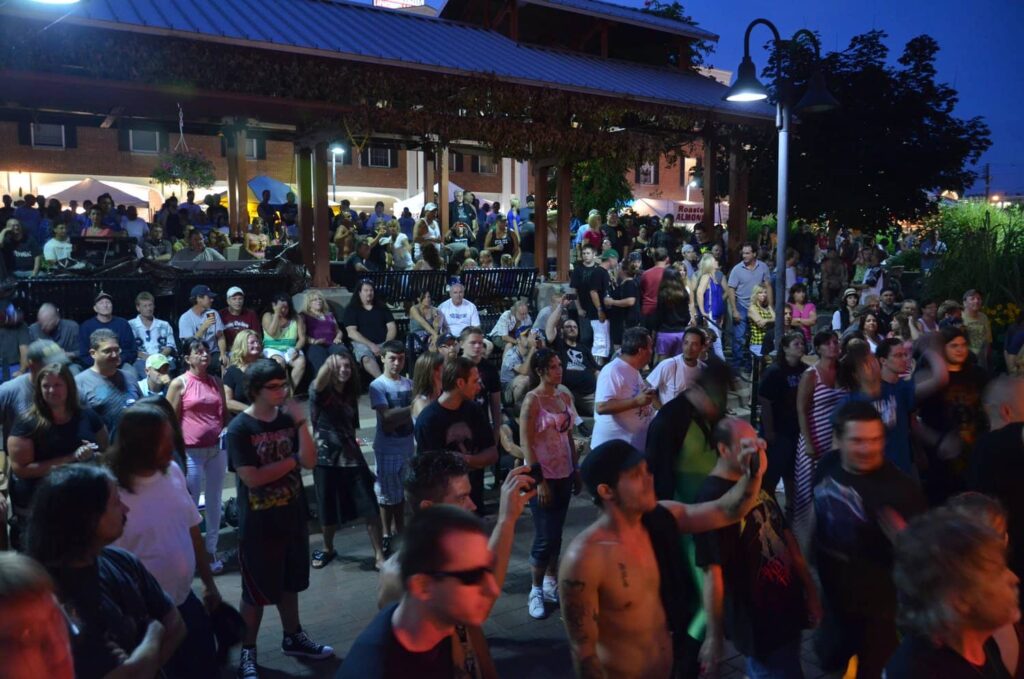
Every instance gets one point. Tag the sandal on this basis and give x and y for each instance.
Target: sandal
(322, 558)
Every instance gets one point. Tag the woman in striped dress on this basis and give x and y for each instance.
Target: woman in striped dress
(816, 398)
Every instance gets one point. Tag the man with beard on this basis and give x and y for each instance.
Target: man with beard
(673, 375)
(454, 422)
(579, 367)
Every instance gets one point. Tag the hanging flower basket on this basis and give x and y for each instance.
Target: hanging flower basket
(187, 167)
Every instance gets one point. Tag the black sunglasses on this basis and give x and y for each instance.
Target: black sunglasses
(473, 576)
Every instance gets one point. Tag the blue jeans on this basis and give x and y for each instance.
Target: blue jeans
(740, 355)
(548, 523)
(782, 663)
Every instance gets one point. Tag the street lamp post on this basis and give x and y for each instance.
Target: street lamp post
(747, 88)
(335, 152)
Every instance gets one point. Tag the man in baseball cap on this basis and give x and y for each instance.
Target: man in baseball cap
(203, 323)
(158, 376)
(448, 346)
(236, 317)
(619, 559)
(105, 319)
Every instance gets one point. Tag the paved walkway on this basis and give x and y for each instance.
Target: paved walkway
(341, 600)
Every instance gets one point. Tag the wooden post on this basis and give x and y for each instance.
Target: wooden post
(428, 175)
(230, 139)
(443, 208)
(564, 217)
(241, 192)
(540, 218)
(709, 176)
(321, 271)
(304, 179)
(739, 186)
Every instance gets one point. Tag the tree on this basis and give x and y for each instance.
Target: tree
(599, 184)
(872, 161)
(694, 51)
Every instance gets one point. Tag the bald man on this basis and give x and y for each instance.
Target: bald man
(998, 462)
(50, 326)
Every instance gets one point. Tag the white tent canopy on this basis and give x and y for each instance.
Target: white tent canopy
(416, 203)
(90, 189)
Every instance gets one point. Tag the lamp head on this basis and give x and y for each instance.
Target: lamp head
(338, 150)
(746, 87)
(817, 98)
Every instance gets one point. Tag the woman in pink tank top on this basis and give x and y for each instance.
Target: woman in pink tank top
(198, 399)
(545, 431)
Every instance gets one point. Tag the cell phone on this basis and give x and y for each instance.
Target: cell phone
(570, 297)
(536, 472)
(209, 314)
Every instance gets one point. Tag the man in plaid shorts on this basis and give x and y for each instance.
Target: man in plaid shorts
(393, 444)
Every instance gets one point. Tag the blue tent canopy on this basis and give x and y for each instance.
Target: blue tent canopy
(278, 190)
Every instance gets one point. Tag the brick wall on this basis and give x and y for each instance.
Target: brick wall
(669, 186)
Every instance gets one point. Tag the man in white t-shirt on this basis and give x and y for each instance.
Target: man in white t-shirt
(459, 312)
(398, 245)
(623, 401)
(674, 374)
(59, 247)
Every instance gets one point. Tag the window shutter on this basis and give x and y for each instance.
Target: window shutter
(163, 140)
(261, 149)
(24, 133)
(393, 158)
(346, 158)
(636, 174)
(657, 169)
(70, 137)
(476, 164)
(123, 141)
(223, 147)
(364, 157)
(683, 180)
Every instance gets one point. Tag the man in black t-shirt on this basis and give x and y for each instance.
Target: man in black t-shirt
(579, 369)
(448, 574)
(998, 463)
(860, 501)
(590, 281)
(268, 445)
(454, 422)
(756, 581)
(368, 325)
(471, 341)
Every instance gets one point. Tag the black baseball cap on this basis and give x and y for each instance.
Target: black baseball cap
(202, 291)
(102, 295)
(606, 462)
(446, 338)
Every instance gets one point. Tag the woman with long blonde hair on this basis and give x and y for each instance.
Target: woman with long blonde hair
(323, 336)
(710, 296)
(246, 350)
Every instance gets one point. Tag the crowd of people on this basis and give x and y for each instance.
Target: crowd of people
(875, 500)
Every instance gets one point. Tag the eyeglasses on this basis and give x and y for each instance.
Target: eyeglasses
(473, 576)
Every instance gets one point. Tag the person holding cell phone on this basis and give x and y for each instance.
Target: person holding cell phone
(201, 322)
(545, 433)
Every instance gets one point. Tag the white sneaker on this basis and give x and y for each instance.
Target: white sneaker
(216, 566)
(551, 594)
(536, 605)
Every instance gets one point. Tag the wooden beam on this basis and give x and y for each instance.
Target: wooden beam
(540, 219)
(513, 21)
(709, 175)
(321, 271)
(241, 186)
(564, 217)
(112, 117)
(739, 187)
(443, 208)
(304, 180)
(428, 176)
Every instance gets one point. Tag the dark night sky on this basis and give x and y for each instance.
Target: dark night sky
(981, 52)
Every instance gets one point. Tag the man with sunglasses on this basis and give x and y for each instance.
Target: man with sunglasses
(268, 445)
(450, 576)
(440, 477)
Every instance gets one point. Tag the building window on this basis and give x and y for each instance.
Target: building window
(144, 141)
(488, 165)
(378, 157)
(46, 136)
(250, 148)
(646, 174)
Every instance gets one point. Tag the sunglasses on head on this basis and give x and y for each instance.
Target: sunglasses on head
(473, 576)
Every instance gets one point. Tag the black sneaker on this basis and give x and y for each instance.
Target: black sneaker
(300, 645)
(247, 664)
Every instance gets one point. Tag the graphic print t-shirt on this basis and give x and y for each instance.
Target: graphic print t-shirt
(254, 443)
(388, 393)
(764, 598)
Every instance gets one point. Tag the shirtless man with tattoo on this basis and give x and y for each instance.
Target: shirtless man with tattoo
(610, 581)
